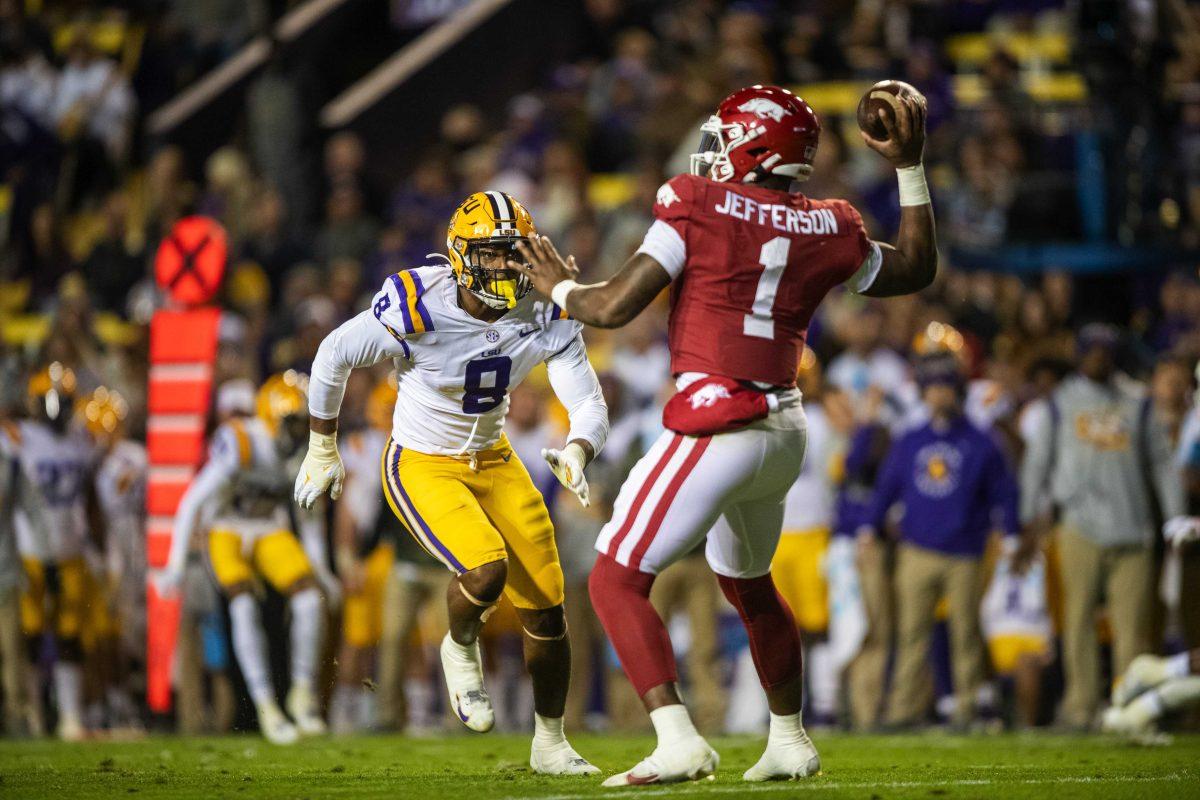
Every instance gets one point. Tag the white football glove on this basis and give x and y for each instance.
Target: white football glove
(322, 469)
(567, 465)
(1181, 530)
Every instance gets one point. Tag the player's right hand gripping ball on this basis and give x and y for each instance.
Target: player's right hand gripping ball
(322, 469)
(882, 99)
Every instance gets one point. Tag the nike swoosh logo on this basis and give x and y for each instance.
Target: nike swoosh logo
(458, 709)
(635, 780)
(529, 332)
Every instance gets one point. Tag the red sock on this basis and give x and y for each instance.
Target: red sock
(621, 597)
(774, 639)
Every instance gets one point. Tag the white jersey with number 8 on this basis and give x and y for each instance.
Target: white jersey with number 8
(454, 371)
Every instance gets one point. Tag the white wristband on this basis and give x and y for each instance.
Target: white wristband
(913, 189)
(560, 291)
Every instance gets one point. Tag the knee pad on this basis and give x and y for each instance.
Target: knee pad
(551, 627)
(305, 601)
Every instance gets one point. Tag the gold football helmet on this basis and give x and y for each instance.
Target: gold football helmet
(482, 236)
(51, 395)
(282, 404)
(104, 413)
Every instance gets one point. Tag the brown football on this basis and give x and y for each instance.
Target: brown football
(881, 99)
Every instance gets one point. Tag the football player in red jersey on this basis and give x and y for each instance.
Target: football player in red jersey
(748, 260)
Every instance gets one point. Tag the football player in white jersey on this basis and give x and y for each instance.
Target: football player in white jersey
(17, 495)
(118, 604)
(59, 459)
(244, 487)
(461, 335)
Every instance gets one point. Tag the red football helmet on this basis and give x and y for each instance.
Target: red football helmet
(758, 131)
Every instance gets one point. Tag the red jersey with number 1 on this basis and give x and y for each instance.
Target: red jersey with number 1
(757, 263)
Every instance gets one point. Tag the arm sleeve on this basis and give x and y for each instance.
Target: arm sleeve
(576, 386)
(1167, 477)
(664, 244)
(211, 479)
(1002, 493)
(1035, 466)
(887, 489)
(866, 274)
(29, 500)
(360, 342)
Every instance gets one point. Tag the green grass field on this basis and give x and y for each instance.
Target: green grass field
(494, 767)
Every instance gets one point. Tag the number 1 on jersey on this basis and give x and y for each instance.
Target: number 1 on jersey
(773, 257)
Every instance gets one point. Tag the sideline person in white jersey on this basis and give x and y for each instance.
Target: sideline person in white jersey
(462, 335)
(244, 489)
(59, 460)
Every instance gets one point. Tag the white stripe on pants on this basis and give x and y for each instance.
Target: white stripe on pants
(729, 488)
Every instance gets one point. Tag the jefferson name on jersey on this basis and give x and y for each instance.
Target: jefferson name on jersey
(818, 221)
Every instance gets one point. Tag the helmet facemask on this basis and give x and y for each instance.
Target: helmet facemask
(499, 288)
(718, 139)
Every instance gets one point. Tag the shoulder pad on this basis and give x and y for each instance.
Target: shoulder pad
(405, 293)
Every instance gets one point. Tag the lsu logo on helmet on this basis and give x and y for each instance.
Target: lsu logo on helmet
(489, 224)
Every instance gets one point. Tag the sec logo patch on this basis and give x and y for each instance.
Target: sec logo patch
(492, 336)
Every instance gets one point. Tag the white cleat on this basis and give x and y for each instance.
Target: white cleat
(275, 726)
(786, 762)
(463, 667)
(302, 706)
(1135, 720)
(1145, 672)
(70, 729)
(689, 760)
(559, 759)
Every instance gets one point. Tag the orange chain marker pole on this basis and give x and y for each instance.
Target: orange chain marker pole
(189, 267)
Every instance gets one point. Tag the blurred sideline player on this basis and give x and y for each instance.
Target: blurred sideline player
(461, 336)
(59, 459)
(1153, 687)
(246, 482)
(17, 495)
(116, 633)
(1017, 628)
(737, 431)
(364, 561)
(206, 700)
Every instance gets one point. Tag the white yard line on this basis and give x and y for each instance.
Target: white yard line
(818, 785)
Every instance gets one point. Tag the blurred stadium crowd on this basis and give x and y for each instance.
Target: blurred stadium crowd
(1025, 97)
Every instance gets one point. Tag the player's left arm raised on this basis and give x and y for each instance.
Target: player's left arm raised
(609, 304)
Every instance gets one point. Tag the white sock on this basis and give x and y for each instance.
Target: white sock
(68, 689)
(786, 730)
(547, 731)
(672, 724)
(341, 707)
(250, 647)
(461, 652)
(1177, 666)
(365, 710)
(306, 634)
(822, 679)
(1180, 692)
